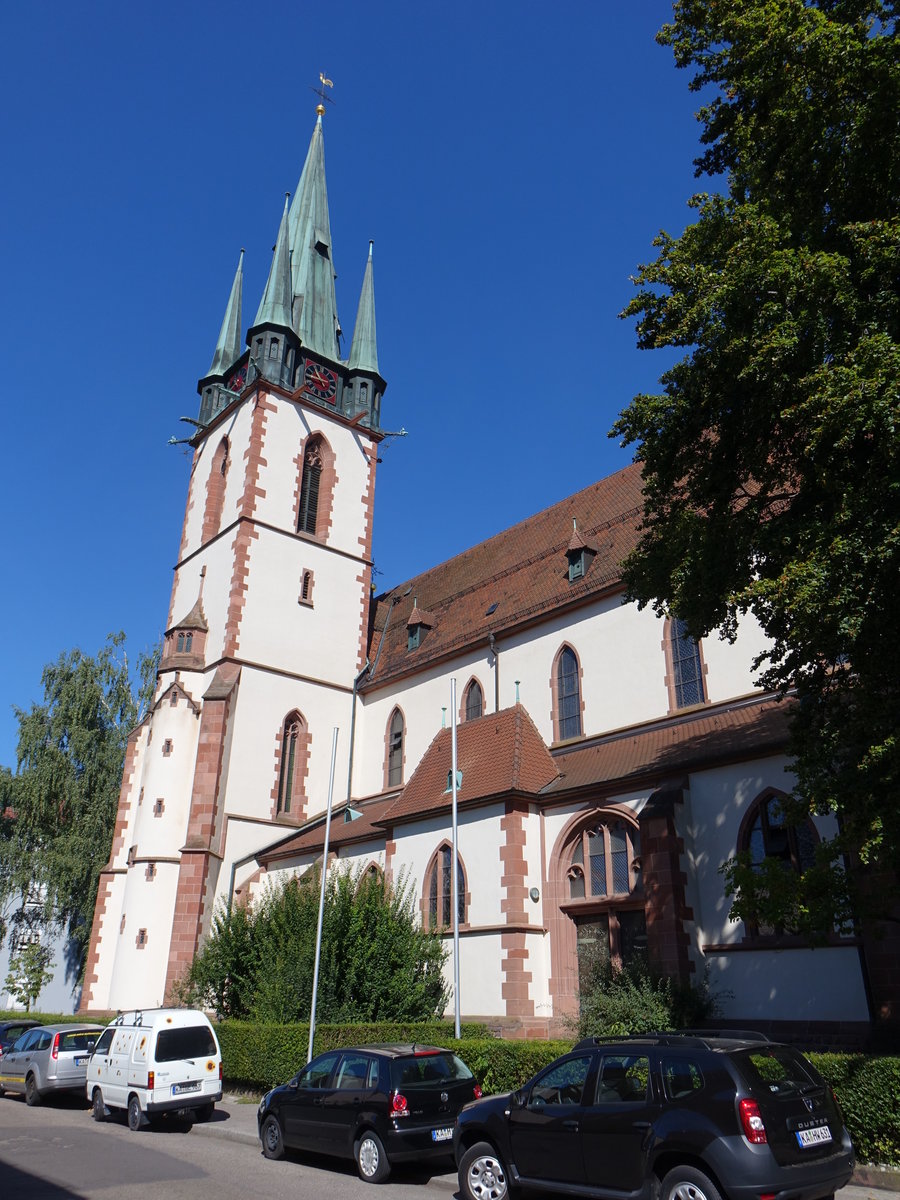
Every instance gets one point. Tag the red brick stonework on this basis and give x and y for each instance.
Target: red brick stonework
(193, 872)
(664, 883)
(513, 881)
(105, 885)
(364, 578)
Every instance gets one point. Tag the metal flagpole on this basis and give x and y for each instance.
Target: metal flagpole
(315, 986)
(454, 881)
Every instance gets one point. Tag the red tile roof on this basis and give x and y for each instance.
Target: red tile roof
(679, 744)
(342, 833)
(523, 571)
(498, 754)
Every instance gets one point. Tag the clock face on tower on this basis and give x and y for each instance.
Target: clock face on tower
(319, 381)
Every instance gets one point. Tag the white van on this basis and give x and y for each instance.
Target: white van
(156, 1061)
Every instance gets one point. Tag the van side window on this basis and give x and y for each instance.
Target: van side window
(191, 1041)
(103, 1041)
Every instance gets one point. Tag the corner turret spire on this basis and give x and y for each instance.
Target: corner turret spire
(315, 318)
(228, 347)
(364, 350)
(275, 306)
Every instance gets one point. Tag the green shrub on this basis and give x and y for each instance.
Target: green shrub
(868, 1091)
(376, 962)
(619, 1000)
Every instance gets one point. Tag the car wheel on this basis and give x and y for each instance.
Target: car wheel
(204, 1113)
(134, 1113)
(32, 1095)
(686, 1183)
(271, 1138)
(371, 1160)
(482, 1175)
(98, 1108)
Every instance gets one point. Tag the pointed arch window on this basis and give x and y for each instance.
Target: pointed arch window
(474, 701)
(605, 897)
(215, 491)
(687, 667)
(568, 695)
(766, 834)
(439, 890)
(395, 749)
(291, 766)
(309, 488)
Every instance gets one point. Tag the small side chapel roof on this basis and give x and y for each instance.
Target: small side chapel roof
(497, 754)
(195, 619)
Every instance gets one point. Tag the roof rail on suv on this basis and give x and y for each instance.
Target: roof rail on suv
(683, 1037)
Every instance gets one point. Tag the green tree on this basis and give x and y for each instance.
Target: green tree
(770, 459)
(59, 808)
(377, 963)
(29, 970)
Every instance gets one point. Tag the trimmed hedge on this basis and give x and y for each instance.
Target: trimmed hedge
(868, 1091)
(261, 1056)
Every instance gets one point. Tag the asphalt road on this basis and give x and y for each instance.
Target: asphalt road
(57, 1152)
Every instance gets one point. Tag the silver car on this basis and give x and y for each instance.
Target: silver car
(47, 1059)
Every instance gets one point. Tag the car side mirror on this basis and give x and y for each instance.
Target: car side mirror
(520, 1098)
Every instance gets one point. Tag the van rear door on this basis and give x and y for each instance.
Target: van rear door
(186, 1058)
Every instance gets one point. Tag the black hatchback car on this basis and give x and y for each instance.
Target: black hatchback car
(376, 1104)
(669, 1116)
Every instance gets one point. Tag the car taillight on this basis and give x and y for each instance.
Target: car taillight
(752, 1122)
(151, 1080)
(220, 1070)
(476, 1092)
(54, 1052)
(399, 1107)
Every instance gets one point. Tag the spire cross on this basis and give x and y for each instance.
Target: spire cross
(320, 92)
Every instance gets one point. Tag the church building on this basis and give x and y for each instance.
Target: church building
(607, 764)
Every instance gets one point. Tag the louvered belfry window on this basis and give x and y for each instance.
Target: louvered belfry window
(309, 489)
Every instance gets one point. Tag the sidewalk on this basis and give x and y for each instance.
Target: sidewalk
(235, 1119)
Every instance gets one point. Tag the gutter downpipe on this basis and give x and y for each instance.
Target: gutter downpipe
(495, 650)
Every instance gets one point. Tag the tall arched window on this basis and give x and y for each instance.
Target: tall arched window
(568, 695)
(291, 765)
(395, 749)
(474, 701)
(309, 487)
(687, 668)
(605, 898)
(765, 834)
(215, 491)
(438, 889)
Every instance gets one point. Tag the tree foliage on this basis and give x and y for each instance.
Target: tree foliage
(771, 459)
(377, 963)
(30, 968)
(614, 1001)
(59, 808)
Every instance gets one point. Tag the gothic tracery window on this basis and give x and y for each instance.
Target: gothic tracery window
(568, 695)
(605, 898)
(395, 749)
(474, 701)
(687, 669)
(439, 891)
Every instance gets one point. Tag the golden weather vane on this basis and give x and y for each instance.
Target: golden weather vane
(320, 92)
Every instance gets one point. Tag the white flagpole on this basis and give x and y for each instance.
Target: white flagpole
(454, 868)
(315, 986)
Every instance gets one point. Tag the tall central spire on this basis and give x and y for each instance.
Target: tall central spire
(315, 319)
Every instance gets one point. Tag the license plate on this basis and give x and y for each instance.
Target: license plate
(80, 1062)
(814, 1137)
(442, 1135)
(179, 1089)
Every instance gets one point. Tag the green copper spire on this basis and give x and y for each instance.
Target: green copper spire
(364, 351)
(275, 306)
(314, 302)
(228, 347)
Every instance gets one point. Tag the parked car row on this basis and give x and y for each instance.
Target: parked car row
(689, 1116)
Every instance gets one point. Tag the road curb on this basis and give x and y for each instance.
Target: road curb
(881, 1178)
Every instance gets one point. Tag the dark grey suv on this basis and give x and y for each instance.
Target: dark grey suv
(668, 1116)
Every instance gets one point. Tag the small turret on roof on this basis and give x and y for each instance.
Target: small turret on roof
(275, 306)
(364, 350)
(229, 346)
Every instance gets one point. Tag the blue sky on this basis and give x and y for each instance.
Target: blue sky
(512, 161)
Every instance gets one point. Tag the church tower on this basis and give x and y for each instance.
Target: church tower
(267, 623)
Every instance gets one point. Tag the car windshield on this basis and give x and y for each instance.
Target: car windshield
(777, 1069)
(428, 1070)
(79, 1039)
(191, 1041)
